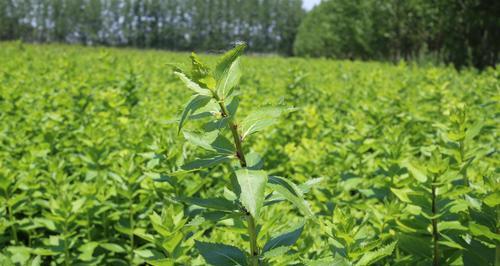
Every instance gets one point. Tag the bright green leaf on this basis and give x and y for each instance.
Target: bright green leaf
(252, 185)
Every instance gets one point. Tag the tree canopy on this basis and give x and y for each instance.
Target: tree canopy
(266, 25)
(460, 32)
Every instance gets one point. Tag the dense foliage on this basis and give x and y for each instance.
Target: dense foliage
(459, 32)
(266, 25)
(398, 163)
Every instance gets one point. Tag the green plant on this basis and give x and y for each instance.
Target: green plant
(216, 98)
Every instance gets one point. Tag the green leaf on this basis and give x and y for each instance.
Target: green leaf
(305, 187)
(276, 252)
(252, 185)
(481, 230)
(416, 171)
(20, 254)
(290, 192)
(220, 254)
(191, 84)
(369, 258)
(493, 199)
(87, 250)
(232, 107)
(162, 262)
(206, 162)
(285, 239)
(212, 203)
(260, 119)
(337, 261)
(402, 194)
(113, 247)
(254, 161)
(212, 141)
(201, 73)
(451, 225)
(227, 73)
(474, 130)
(195, 103)
(414, 245)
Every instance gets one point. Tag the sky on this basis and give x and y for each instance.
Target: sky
(308, 4)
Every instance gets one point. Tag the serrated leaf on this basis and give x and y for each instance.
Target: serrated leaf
(206, 162)
(285, 239)
(414, 245)
(416, 171)
(252, 184)
(227, 72)
(260, 119)
(220, 254)
(212, 141)
(337, 261)
(212, 203)
(290, 192)
(201, 73)
(191, 84)
(195, 103)
(371, 257)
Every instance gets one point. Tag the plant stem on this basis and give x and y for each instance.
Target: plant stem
(13, 226)
(252, 231)
(435, 234)
(462, 158)
(131, 234)
(234, 131)
(66, 246)
(497, 251)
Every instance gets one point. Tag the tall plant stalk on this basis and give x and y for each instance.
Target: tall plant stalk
(252, 231)
(212, 90)
(435, 232)
(13, 222)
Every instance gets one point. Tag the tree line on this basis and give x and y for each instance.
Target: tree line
(266, 25)
(464, 32)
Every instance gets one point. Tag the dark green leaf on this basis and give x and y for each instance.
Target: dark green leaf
(220, 254)
(290, 192)
(195, 103)
(285, 239)
(212, 203)
(206, 162)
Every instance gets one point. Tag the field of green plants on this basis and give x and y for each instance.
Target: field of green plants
(115, 157)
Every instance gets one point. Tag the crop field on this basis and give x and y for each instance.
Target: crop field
(103, 162)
